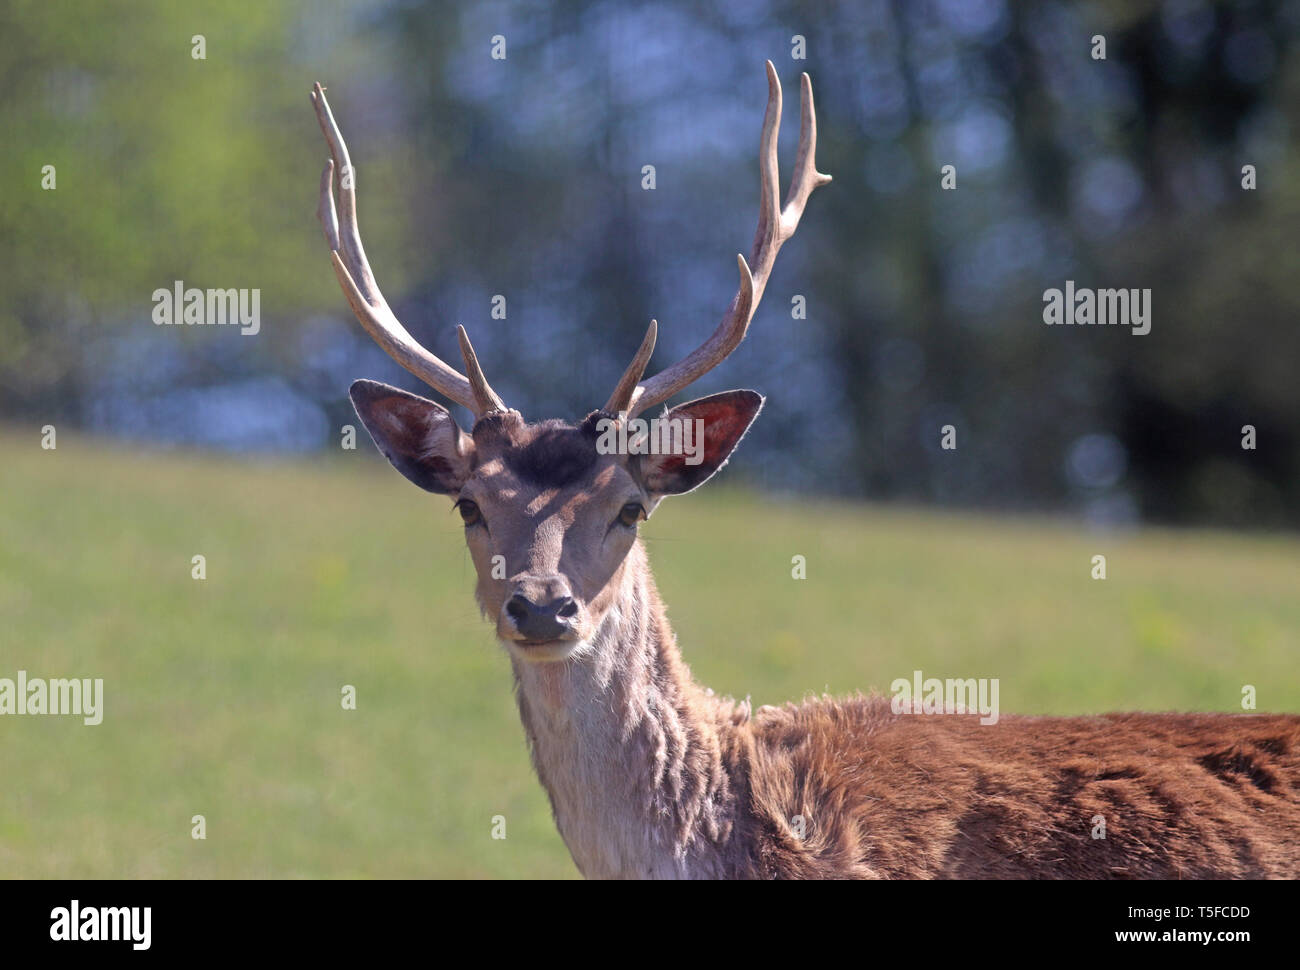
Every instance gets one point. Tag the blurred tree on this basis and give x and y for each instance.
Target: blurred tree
(168, 167)
(520, 177)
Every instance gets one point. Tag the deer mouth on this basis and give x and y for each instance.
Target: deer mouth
(541, 651)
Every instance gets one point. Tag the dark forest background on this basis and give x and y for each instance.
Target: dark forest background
(522, 177)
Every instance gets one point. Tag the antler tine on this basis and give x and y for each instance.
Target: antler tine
(769, 168)
(776, 224)
(358, 282)
(806, 177)
(621, 399)
(485, 399)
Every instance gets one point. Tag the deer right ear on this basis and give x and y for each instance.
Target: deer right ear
(419, 436)
(723, 420)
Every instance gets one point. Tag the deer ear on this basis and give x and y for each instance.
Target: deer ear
(717, 423)
(418, 436)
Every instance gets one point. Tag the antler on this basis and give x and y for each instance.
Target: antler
(775, 225)
(362, 292)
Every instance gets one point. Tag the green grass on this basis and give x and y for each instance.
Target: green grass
(222, 696)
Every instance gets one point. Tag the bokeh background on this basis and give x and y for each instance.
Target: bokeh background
(522, 177)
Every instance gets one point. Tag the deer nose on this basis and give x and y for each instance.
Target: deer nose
(541, 621)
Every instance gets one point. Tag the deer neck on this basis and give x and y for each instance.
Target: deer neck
(638, 760)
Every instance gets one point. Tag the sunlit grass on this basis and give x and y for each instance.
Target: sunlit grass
(223, 696)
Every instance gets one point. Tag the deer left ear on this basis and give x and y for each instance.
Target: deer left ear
(716, 425)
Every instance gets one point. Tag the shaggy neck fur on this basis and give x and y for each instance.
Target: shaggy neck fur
(639, 762)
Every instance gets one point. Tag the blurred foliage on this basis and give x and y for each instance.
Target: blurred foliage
(167, 167)
(521, 177)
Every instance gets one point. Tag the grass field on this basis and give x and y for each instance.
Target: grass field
(223, 695)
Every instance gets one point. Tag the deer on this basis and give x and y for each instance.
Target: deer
(651, 775)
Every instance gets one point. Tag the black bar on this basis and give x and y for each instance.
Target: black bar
(334, 919)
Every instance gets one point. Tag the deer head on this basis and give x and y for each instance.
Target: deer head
(550, 515)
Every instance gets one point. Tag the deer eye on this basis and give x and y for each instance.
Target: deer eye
(469, 512)
(630, 514)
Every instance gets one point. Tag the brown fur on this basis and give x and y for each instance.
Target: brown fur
(915, 796)
(1183, 796)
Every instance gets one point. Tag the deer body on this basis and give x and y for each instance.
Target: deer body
(650, 775)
